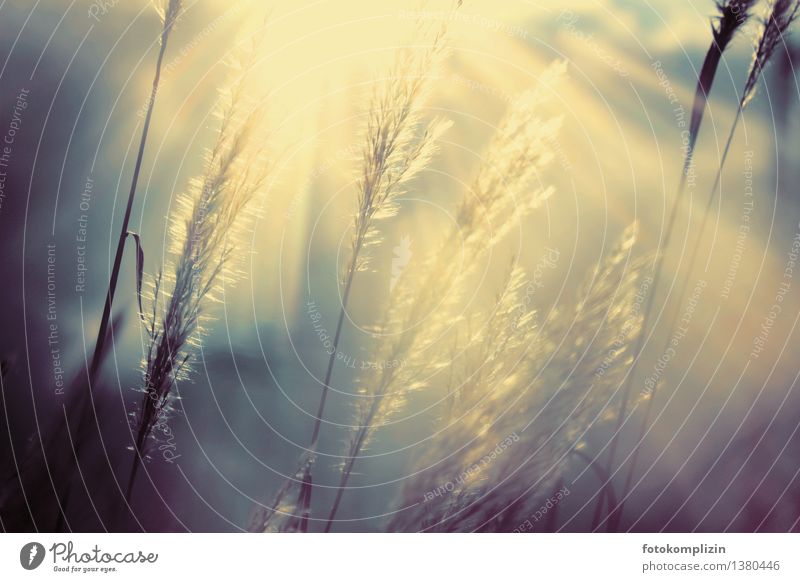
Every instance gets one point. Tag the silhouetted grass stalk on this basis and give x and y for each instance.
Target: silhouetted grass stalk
(169, 16)
(779, 16)
(85, 404)
(732, 15)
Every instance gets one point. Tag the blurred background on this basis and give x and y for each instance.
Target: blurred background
(722, 452)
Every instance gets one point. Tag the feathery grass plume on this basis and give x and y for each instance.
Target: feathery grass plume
(502, 339)
(778, 16)
(399, 144)
(205, 235)
(424, 301)
(527, 401)
(732, 15)
(169, 11)
(518, 152)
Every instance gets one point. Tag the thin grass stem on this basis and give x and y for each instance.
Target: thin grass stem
(732, 15)
(102, 332)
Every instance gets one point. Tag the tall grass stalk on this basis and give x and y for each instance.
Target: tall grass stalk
(205, 235)
(527, 397)
(778, 16)
(502, 193)
(731, 17)
(399, 144)
(169, 10)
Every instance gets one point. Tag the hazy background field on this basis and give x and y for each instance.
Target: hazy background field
(723, 452)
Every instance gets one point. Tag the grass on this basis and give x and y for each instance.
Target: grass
(518, 397)
(526, 398)
(205, 234)
(777, 18)
(502, 194)
(399, 144)
(62, 467)
(731, 16)
(169, 10)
